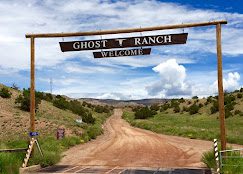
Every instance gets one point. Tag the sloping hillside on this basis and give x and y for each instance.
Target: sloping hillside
(14, 122)
(193, 118)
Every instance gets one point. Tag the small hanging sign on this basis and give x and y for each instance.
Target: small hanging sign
(119, 53)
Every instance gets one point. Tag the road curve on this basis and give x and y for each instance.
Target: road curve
(125, 146)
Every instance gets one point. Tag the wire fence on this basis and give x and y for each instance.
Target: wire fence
(231, 159)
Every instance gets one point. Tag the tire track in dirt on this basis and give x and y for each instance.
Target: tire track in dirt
(125, 146)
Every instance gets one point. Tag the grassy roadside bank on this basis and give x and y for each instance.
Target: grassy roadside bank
(52, 148)
(197, 126)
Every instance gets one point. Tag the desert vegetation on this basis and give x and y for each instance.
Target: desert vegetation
(5, 93)
(194, 118)
(52, 112)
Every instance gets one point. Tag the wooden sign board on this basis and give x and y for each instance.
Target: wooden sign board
(168, 39)
(119, 53)
(60, 133)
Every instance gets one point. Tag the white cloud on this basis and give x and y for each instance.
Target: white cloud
(172, 80)
(73, 68)
(230, 83)
(21, 17)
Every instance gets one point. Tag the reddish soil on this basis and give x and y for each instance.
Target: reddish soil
(125, 146)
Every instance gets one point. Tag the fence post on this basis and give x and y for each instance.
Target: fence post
(216, 154)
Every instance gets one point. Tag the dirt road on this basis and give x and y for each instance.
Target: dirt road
(125, 146)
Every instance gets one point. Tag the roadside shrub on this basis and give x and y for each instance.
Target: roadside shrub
(164, 107)
(193, 109)
(154, 107)
(143, 113)
(88, 118)
(101, 109)
(237, 112)
(215, 107)
(181, 100)
(177, 109)
(93, 131)
(241, 89)
(208, 159)
(229, 99)
(136, 108)
(61, 103)
(174, 103)
(200, 105)
(48, 97)
(209, 99)
(5, 93)
(184, 108)
(228, 113)
(24, 100)
(76, 107)
(239, 95)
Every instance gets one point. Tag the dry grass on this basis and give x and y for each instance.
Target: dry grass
(14, 123)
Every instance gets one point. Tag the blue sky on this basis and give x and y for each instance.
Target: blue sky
(170, 71)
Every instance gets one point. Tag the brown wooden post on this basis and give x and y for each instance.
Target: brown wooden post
(220, 88)
(32, 85)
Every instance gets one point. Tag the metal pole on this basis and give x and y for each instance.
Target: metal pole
(220, 89)
(32, 85)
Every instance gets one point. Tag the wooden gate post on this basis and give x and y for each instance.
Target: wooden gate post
(32, 85)
(220, 88)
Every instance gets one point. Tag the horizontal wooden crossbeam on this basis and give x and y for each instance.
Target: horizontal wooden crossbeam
(118, 31)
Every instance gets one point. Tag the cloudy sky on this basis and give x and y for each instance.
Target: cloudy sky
(170, 71)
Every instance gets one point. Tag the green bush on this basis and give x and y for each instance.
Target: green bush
(94, 131)
(229, 99)
(209, 99)
(154, 107)
(5, 93)
(200, 105)
(24, 100)
(239, 95)
(48, 97)
(209, 159)
(195, 97)
(181, 100)
(215, 107)
(88, 118)
(193, 109)
(174, 103)
(164, 107)
(228, 113)
(241, 89)
(144, 113)
(177, 109)
(61, 103)
(101, 109)
(237, 112)
(185, 109)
